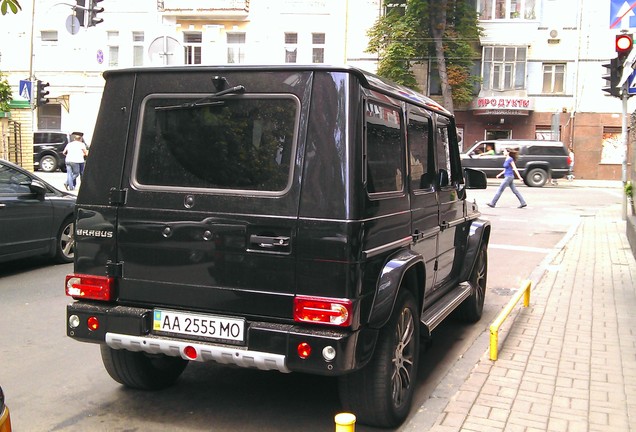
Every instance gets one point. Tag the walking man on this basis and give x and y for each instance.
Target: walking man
(74, 152)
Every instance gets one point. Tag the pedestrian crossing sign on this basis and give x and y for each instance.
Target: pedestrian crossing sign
(25, 90)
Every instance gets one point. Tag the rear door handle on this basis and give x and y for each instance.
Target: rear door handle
(269, 242)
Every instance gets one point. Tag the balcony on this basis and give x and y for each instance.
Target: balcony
(205, 9)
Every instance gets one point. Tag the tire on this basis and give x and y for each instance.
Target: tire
(142, 371)
(380, 394)
(48, 164)
(65, 242)
(471, 309)
(536, 177)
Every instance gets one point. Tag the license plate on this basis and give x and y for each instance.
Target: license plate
(206, 326)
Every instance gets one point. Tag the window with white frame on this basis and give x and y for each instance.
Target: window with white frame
(138, 48)
(504, 68)
(395, 7)
(236, 47)
(192, 47)
(553, 78)
(291, 47)
(318, 47)
(507, 9)
(113, 48)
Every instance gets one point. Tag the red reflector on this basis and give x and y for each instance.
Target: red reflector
(93, 323)
(304, 350)
(190, 352)
(91, 287)
(322, 310)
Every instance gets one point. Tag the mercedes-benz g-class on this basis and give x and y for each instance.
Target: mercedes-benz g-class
(294, 218)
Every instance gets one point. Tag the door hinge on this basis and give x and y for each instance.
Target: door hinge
(114, 269)
(117, 197)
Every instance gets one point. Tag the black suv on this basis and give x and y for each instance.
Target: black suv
(538, 160)
(47, 150)
(293, 218)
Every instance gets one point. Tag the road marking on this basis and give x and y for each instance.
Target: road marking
(520, 248)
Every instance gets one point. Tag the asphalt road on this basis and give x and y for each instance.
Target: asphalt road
(53, 383)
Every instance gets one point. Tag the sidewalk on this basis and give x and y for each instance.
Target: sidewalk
(568, 361)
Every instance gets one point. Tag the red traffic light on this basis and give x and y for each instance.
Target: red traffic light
(624, 43)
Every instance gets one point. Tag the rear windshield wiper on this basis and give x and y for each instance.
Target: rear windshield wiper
(204, 101)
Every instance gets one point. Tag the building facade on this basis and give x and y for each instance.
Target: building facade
(541, 71)
(540, 60)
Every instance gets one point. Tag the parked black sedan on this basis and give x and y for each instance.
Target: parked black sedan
(35, 217)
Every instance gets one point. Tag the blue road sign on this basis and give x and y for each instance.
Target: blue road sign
(25, 89)
(622, 14)
(631, 83)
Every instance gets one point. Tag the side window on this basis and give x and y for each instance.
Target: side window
(385, 171)
(419, 135)
(443, 156)
(447, 148)
(13, 182)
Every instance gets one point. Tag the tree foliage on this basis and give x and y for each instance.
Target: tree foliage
(14, 5)
(444, 32)
(5, 93)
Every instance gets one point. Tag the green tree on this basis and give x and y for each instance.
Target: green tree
(5, 93)
(14, 5)
(415, 31)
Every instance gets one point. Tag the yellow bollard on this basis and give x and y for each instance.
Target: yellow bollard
(345, 422)
(494, 327)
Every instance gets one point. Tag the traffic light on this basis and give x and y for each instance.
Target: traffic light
(623, 44)
(93, 10)
(80, 11)
(41, 93)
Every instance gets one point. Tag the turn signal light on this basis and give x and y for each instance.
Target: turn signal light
(90, 287)
(322, 310)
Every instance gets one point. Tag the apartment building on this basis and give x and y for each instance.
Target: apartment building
(541, 70)
(540, 60)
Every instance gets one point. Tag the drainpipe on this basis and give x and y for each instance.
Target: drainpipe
(578, 73)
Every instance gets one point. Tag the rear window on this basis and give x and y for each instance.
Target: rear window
(546, 150)
(234, 144)
(49, 138)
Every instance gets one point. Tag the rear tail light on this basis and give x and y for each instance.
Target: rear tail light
(90, 287)
(321, 310)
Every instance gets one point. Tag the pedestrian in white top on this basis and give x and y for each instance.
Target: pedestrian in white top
(74, 152)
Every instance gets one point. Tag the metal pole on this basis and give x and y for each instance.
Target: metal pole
(625, 96)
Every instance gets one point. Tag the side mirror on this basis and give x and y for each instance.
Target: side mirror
(37, 187)
(475, 179)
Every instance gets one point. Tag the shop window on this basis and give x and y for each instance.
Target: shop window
(612, 150)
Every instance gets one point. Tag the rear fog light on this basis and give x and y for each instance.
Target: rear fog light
(93, 323)
(304, 350)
